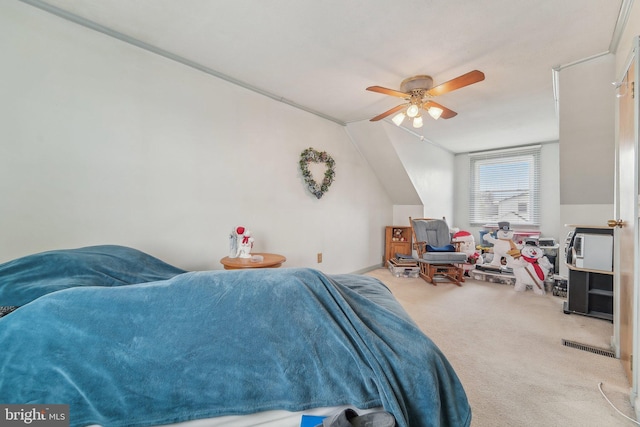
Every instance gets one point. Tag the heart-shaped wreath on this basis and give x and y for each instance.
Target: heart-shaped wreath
(311, 155)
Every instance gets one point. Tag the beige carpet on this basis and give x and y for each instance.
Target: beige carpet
(507, 350)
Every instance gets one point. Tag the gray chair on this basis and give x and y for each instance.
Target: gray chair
(438, 257)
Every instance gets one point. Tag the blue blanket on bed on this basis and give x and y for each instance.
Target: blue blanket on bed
(205, 344)
(27, 278)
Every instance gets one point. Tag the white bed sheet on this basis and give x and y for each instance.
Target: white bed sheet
(264, 419)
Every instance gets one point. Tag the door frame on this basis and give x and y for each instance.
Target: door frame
(634, 59)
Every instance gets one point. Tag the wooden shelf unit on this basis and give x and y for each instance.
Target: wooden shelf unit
(393, 247)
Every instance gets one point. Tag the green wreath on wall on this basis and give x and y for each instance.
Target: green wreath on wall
(310, 155)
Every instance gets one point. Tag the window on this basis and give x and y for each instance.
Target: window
(505, 186)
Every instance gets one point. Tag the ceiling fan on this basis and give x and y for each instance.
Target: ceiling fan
(418, 91)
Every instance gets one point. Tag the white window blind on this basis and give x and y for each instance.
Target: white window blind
(505, 186)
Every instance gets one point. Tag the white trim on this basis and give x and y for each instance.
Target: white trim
(621, 22)
(420, 137)
(636, 267)
(627, 63)
(505, 150)
(555, 82)
(580, 61)
(367, 269)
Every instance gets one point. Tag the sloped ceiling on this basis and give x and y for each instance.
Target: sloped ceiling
(321, 55)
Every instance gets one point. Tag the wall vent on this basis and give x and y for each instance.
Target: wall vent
(589, 348)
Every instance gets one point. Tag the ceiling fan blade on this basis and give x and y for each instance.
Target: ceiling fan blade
(446, 113)
(386, 91)
(388, 112)
(470, 78)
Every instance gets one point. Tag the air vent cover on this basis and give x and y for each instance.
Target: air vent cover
(589, 348)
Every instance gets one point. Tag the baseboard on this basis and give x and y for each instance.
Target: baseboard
(368, 269)
(614, 346)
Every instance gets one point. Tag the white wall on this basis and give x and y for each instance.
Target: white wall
(375, 144)
(587, 144)
(430, 169)
(401, 214)
(587, 132)
(103, 142)
(419, 176)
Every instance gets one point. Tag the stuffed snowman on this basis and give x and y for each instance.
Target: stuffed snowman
(245, 242)
(503, 245)
(530, 268)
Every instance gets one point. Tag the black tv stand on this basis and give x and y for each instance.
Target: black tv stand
(590, 292)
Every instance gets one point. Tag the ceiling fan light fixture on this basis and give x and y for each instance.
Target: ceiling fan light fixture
(418, 90)
(435, 112)
(413, 110)
(417, 122)
(398, 119)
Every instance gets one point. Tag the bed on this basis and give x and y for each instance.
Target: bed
(126, 339)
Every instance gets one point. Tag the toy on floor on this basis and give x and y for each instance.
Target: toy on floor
(503, 245)
(468, 246)
(530, 268)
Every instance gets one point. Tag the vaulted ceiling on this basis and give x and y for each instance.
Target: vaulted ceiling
(322, 55)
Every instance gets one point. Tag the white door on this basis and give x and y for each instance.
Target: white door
(626, 237)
